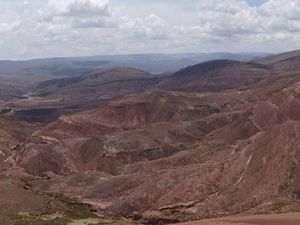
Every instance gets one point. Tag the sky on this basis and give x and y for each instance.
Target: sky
(58, 28)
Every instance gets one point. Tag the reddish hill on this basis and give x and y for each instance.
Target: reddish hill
(53, 98)
(278, 57)
(167, 156)
(8, 92)
(283, 63)
(97, 85)
(106, 85)
(134, 129)
(216, 76)
(197, 159)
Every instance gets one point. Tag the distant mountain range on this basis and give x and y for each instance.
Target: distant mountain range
(153, 63)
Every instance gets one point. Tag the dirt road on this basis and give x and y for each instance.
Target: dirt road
(278, 219)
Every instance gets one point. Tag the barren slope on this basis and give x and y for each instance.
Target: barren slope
(192, 157)
(283, 63)
(97, 85)
(169, 156)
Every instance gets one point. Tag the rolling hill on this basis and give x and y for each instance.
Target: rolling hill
(76, 66)
(215, 139)
(108, 84)
(196, 155)
(216, 76)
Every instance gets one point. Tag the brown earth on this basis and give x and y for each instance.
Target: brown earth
(169, 156)
(277, 219)
(192, 158)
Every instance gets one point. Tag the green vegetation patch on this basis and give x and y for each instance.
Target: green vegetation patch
(72, 214)
(22, 219)
(167, 217)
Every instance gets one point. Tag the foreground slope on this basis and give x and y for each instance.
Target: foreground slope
(276, 219)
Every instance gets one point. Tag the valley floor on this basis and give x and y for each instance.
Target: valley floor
(277, 219)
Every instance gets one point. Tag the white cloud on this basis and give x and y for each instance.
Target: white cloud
(151, 27)
(80, 7)
(87, 27)
(79, 13)
(237, 21)
(9, 26)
